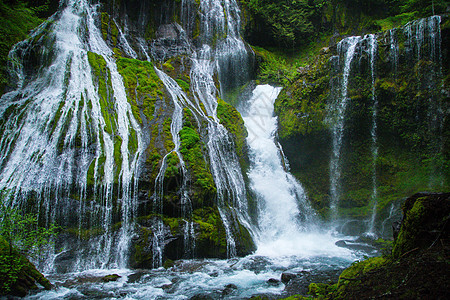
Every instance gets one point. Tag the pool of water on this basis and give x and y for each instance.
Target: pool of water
(237, 278)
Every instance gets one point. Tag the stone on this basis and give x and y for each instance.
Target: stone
(229, 288)
(286, 277)
(110, 278)
(273, 281)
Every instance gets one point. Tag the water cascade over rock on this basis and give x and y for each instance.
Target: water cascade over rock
(370, 112)
(117, 127)
(147, 164)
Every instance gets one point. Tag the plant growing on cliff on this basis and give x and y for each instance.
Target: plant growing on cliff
(22, 231)
(20, 237)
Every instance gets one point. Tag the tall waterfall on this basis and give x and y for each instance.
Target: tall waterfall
(373, 132)
(59, 141)
(346, 49)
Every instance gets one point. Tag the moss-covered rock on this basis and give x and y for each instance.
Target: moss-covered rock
(18, 276)
(211, 240)
(411, 124)
(418, 266)
(192, 148)
(425, 218)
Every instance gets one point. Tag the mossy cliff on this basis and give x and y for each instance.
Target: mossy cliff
(152, 107)
(412, 124)
(417, 267)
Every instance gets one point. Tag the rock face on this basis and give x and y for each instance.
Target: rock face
(388, 136)
(424, 225)
(145, 161)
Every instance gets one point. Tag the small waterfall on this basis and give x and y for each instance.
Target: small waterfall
(424, 45)
(424, 32)
(373, 133)
(70, 146)
(123, 42)
(180, 100)
(346, 49)
(225, 168)
(394, 50)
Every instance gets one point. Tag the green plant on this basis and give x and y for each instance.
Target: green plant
(20, 237)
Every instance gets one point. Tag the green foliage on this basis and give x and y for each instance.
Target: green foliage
(20, 236)
(22, 231)
(275, 68)
(17, 18)
(290, 22)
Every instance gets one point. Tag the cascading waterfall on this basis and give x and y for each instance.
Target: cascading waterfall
(180, 100)
(346, 49)
(373, 133)
(284, 211)
(232, 201)
(220, 25)
(394, 50)
(67, 142)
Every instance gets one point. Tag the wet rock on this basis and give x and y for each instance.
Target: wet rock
(110, 278)
(136, 277)
(229, 288)
(356, 245)
(202, 297)
(286, 277)
(273, 281)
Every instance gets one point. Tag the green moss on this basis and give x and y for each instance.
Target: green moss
(142, 257)
(172, 166)
(184, 85)
(168, 139)
(105, 25)
(15, 23)
(167, 65)
(104, 87)
(118, 155)
(191, 149)
(143, 87)
(233, 122)
(173, 223)
(85, 234)
(211, 240)
(356, 271)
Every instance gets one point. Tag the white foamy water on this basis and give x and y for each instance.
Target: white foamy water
(287, 223)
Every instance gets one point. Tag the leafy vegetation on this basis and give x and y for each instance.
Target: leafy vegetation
(21, 237)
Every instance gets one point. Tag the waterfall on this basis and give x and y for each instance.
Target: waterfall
(346, 49)
(424, 44)
(222, 51)
(60, 142)
(180, 100)
(287, 224)
(373, 133)
(394, 50)
(224, 163)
